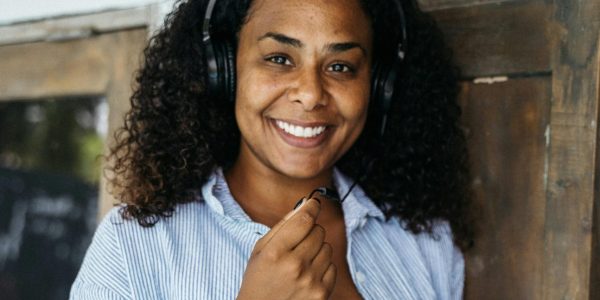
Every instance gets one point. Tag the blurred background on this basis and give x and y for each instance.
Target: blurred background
(60, 77)
(530, 92)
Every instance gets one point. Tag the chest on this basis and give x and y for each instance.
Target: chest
(210, 263)
(215, 271)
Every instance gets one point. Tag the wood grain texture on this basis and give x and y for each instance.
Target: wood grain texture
(150, 16)
(431, 5)
(573, 133)
(101, 65)
(126, 58)
(595, 266)
(509, 38)
(506, 124)
(79, 26)
(38, 70)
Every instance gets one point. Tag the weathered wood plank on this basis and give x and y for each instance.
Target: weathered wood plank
(595, 266)
(504, 39)
(149, 16)
(126, 56)
(506, 123)
(431, 5)
(54, 69)
(102, 65)
(573, 149)
(74, 27)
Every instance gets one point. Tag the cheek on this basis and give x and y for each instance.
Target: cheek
(355, 99)
(247, 100)
(355, 111)
(256, 96)
(255, 90)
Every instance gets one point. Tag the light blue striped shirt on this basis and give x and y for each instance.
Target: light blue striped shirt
(202, 250)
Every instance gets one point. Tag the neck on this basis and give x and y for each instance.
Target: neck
(267, 195)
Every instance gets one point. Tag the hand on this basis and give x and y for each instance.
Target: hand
(291, 261)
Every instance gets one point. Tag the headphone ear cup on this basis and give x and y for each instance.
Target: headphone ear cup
(382, 93)
(220, 61)
(378, 79)
(212, 66)
(229, 76)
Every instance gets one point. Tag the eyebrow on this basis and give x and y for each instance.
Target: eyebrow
(333, 47)
(341, 47)
(282, 38)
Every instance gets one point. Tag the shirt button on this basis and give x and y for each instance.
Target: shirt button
(360, 277)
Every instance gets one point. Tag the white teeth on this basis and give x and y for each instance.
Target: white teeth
(307, 131)
(303, 132)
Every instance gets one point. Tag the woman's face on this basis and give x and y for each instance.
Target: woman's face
(303, 80)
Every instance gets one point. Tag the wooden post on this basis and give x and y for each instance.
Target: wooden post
(572, 151)
(125, 60)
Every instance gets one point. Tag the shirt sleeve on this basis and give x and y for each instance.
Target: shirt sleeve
(103, 271)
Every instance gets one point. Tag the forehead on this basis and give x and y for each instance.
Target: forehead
(336, 19)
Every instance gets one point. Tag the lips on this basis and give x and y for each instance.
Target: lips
(303, 135)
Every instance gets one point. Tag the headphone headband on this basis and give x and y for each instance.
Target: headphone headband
(402, 45)
(401, 51)
(206, 24)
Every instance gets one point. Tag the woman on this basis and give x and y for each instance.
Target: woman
(207, 183)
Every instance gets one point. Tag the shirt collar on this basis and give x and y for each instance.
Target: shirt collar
(208, 194)
(357, 206)
(217, 195)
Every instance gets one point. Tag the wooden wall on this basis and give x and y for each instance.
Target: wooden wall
(100, 65)
(530, 108)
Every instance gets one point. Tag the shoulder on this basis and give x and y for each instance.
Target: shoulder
(115, 226)
(436, 248)
(103, 269)
(122, 252)
(431, 258)
(136, 242)
(440, 238)
(114, 229)
(443, 258)
(438, 245)
(120, 248)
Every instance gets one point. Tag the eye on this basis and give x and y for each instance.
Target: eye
(278, 59)
(341, 68)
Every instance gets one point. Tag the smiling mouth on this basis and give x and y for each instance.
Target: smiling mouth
(299, 131)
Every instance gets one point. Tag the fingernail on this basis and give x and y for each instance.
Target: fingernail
(293, 211)
(298, 203)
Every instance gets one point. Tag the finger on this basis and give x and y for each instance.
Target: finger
(330, 277)
(297, 227)
(323, 259)
(267, 237)
(292, 229)
(308, 248)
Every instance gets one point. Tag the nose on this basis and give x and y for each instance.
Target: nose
(308, 89)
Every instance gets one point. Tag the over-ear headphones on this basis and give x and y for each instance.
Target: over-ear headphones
(220, 63)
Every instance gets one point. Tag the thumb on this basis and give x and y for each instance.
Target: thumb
(262, 242)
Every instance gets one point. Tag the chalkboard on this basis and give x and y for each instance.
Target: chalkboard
(46, 224)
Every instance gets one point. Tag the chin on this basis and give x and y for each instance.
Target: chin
(302, 171)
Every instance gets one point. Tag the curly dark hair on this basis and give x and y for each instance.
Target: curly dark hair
(175, 135)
